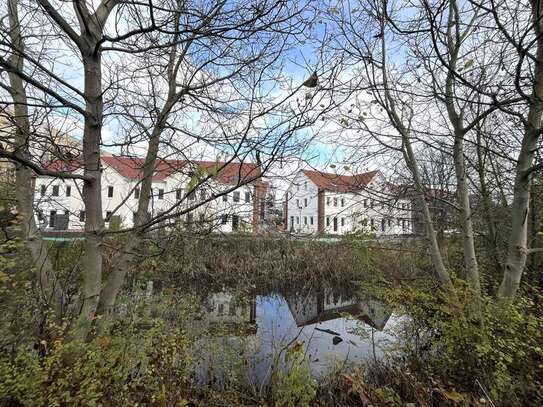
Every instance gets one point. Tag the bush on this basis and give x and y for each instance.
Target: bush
(500, 358)
(135, 367)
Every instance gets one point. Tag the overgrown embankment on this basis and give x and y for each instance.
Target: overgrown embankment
(445, 359)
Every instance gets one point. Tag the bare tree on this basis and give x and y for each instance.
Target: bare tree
(208, 45)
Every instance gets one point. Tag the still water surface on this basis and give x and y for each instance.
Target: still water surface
(245, 335)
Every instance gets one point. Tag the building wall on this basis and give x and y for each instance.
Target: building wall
(220, 214)
(371, 210)
(302, 205)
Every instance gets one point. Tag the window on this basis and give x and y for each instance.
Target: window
(372, 223)
(108, 216)
(40, 215)
(389, 223)
(342, 202)
(202, 195)
(305, 220)
(191, 195)
(328, 201)
(68, 190)
(291, 221)
(305, 185)
(398, 222)
(220, 310)
(365, 203)
(178, 194)
(247, 197)
(327, 221)
(342, 222)
(202, 217)
(190, 217)
(81, 216)
(42, 190)
(137, 193)
(224, 219)
(383, 224)
(110, 192)
(55, 190)
(297, 203)
(52, 216)
(335, 224)
(335, 201)
(297, 220)
(225, 198)
(235, 222)
(372, 203)
(134, 214)
(305, 202)
(311, 220)
(236, 196)
(161, 194)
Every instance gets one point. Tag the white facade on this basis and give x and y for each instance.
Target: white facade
(55, 196)
(370, 208)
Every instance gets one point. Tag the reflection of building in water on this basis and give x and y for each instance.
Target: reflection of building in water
(226, 327)
(224, 313)
(325, 305)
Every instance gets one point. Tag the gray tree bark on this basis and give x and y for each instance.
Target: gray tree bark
(462, 191)
(411, 161)
(518, 242)
(51, 294)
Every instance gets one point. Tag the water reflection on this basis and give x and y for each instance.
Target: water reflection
(329, 304)
(242, 334)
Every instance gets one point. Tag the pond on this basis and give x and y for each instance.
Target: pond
(245, 334)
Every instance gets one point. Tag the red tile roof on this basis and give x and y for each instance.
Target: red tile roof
(132, 168)
(340, 183)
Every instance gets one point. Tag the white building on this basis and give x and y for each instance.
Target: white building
(59, 202)
(326, 203)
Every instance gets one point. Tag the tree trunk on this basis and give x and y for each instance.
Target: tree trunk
(492, 239)
(517, 247)
(51, 294)
(437, 259)
(412, 164)
(116, 278)
(92, 190)
(457, 122)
